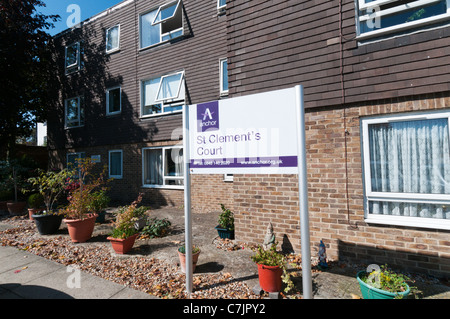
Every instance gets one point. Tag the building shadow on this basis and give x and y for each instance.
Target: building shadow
(18, 291)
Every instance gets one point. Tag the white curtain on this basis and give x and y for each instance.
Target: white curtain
(410, 157)
(153, 174)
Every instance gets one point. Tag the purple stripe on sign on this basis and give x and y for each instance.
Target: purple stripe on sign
(282, 161)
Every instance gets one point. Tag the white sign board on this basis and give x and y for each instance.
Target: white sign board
(254, 134)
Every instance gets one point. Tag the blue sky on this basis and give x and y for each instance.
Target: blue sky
(88, 8)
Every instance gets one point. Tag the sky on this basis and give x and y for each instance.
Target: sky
(87, 9)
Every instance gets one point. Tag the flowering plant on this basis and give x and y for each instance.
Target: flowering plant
(385, 279)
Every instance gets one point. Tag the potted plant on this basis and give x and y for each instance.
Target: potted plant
(182, 255)
(272, 269)
(125, 232)
(382, 283)
(226, 223)
(13, 174)
(98, 205)
(79, 218)
(50, 185)
(35, 202)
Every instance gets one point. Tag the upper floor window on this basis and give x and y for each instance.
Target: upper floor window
(163, 94)
(113, 39)
(74, 113)
(221, 4)
(407, 169)
(379, 17)
(72, 61)
(162, 24)
(113, 100)
(223, 77)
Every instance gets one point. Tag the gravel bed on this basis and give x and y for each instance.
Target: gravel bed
(147, 274)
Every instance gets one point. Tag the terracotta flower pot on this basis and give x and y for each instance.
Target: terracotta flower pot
(270, 278)
(183, 260)
(80, 230)
(33, 211)
(122, 246)
(16, 208)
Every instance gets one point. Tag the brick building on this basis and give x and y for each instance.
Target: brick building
(377, 103)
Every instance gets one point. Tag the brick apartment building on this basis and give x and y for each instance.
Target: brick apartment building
(377, 103)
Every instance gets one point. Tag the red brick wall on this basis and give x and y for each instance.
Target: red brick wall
(335, 197)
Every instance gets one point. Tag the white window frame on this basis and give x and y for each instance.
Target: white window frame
(370, 195)
(221, 69)
(361, 5)
(74, 66)
(221, 7)
(154, 23)
(168, 102)
(78, 120)
(162, 8)
(163, 150)
(174, 97)
(118, 40)
(228, 177)
(121, 164)
(107, 100)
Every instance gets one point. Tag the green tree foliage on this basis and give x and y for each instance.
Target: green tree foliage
(25, 60)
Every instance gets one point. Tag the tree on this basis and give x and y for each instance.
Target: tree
(25, 68)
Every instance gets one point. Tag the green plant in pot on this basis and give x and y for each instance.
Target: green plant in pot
(225, 228)
(182, 256)
(125, 232)
(272, 269)
(383, 283)
(35, 203)
(13, 176)
(98, 204)
(51, 186)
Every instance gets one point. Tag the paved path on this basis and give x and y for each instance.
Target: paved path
(27, 276)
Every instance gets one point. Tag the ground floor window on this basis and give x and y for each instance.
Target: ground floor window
(163, 167)
(115, 163)
(407, 170)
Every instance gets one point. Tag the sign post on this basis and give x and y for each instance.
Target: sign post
(257, 134)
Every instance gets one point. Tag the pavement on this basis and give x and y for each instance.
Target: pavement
(27, 276)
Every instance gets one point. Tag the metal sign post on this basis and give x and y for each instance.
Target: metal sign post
(187, 202)
(303, 196)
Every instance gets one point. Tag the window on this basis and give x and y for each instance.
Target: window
(163, 167)
(163, 24)
(113, 39)
(72, 57)
(221, 4)
(74, 113)
(113, 101)
(378, 17)
(115, 164)
(72, 161)
(407, 170)
(163, 94)
(223, 77)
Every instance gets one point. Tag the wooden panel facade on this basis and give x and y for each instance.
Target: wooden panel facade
(278, 44)
(197, 53)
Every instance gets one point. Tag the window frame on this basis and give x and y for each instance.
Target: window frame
(221, 71)
(162, 7)
(162, 34)
(170, 98)
(362, 5)
(221, 7)
(108, 113)
(74, 66)
(370, 195)
(166, 102)
(121, 164)
(164, 177)
(79, 121)
(118, 40)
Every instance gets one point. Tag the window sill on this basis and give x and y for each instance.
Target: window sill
(418, 222)
(113, 51)
(164, 187)
(150, 116)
